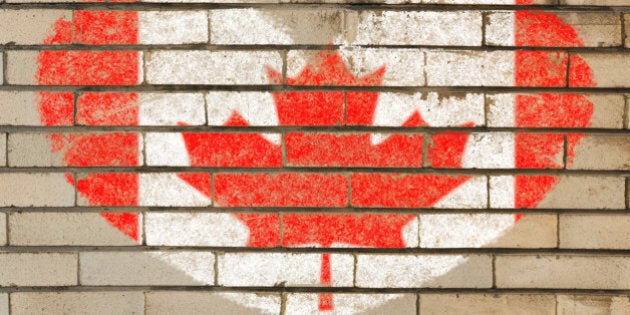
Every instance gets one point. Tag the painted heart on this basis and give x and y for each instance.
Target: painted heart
(309, 151)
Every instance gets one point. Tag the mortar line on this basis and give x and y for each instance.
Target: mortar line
(494, 272)
(626, 112)
(131, 6)
(484, 17)
(558, 231)
(283, 302)
(418, 304)
(624, 36)
(565, 151)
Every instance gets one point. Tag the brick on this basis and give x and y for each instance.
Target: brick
(593, 29)
(227, 67)
(144, 189)
(172, 27)
(277, 27)
(487, 304)
(286, 269)
(338, 230)
(436, 109)
(276, 190)
(461, 28)
(20, 108)
(569, 192)
(229, 303)
(256, 108)
(79, 149)
(423, 271)
(33, 189)
(147, 268)
(588, 154)
(212, 149)
(38, 269)
(539, 110)
(404, 66)
(355, 150)
(593, 304)
(410, 191)
(64, 229)
(4, 303)
(469, 68)
(606, 68)
(77, 302)
(202, 229)
(482, 150)
(595, 231)
(29, 27)
(365, 304)
(487, 230)
(74, 67)
(559, 272)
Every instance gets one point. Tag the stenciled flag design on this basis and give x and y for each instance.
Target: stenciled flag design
(331, 169)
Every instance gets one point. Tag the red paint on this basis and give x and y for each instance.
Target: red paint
(56, 108)
(281, 190)
(539, 150)
(108, 109)
(106, 27)
(95, 68)
(231, 150)
(401, 190)
(324, 149)
(446, 149)
(536, 28)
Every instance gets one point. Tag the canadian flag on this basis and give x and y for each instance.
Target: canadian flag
(334, 148)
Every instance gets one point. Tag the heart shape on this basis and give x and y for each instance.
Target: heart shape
(446, 150)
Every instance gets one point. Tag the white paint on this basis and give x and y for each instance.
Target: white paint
(306, 303)
(211, 67)
(171, 109)
(462, 230)
(168, 190)
(410, 233)
(502, 194)
(462, 28)
(197, 265)
(195, 229)
(247, 26)
(403, 67)
(257, 108)
(270, 269)
(473, 194)
(166, 149)
(500, 29)
(501, 110)
(412, 271)
(489, 150)
(470, 68)
(172, 27)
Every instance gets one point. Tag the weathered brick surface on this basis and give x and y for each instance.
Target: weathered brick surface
(33, 189)
(589, 304)
(77, 302)
(558, 271)
(616, 157)
(408, 271)
(38, 269)
(592, 231)
(195, 158)
(63, 229)
(169, 302)
(146, 268)
(487, 304)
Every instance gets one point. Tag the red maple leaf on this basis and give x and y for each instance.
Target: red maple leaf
(325, 108)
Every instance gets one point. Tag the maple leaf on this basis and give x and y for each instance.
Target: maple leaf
(325, 108)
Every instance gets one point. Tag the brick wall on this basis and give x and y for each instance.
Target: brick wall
(407, 157)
